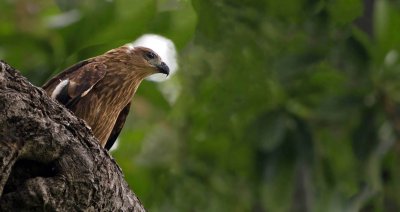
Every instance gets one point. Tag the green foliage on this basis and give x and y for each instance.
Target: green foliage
(282, 105)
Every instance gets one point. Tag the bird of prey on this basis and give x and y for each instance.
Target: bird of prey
(99, 90)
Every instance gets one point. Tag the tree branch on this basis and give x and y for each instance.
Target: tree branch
(49, 159)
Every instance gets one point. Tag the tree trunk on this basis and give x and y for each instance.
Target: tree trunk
(49, 159)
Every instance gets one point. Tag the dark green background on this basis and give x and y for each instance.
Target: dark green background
(283, 105)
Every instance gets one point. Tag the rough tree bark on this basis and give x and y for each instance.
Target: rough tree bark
(49, 159)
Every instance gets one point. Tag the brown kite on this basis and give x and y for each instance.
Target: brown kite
(99, 90)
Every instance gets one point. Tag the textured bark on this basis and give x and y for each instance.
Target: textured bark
(49, 159)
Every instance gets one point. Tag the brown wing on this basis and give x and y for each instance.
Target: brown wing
(75, 82)
(52, 83)
(118, 126)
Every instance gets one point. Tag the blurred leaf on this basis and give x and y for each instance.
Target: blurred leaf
(345, 11)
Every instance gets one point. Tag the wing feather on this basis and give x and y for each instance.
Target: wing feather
(119, 123)
(75, 82)
(53, 82)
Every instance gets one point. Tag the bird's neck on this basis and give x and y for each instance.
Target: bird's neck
(120, 86)
(121, 80)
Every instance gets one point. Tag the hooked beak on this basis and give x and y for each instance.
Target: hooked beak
(163, 68)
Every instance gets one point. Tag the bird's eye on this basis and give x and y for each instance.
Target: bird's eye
(150, 55)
